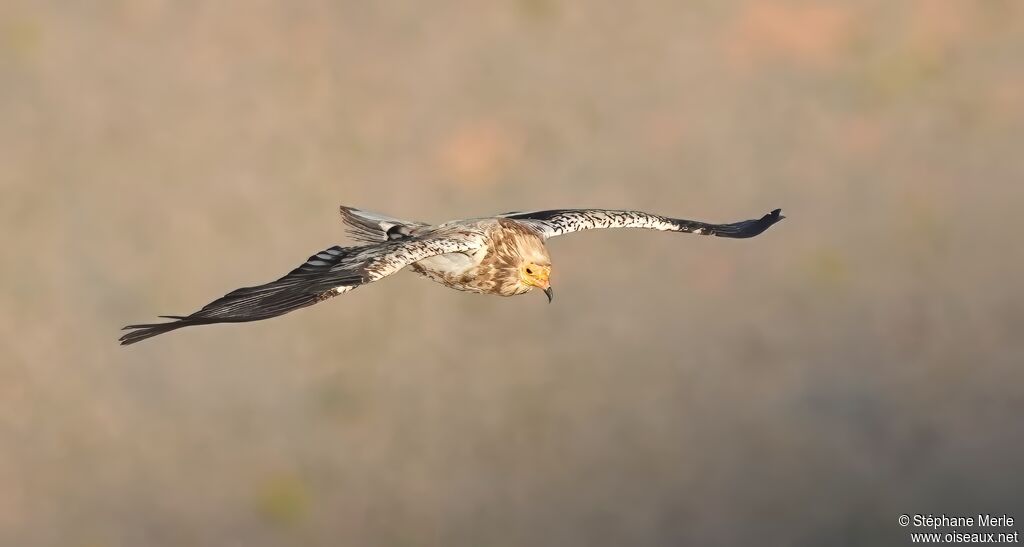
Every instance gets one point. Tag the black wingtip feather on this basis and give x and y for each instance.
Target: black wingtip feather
(143, 332)
(749, 228)
(772, 217)
(304, 286)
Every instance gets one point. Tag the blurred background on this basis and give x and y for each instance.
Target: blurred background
(860, 360)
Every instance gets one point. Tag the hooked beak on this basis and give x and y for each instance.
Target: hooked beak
(550, 292)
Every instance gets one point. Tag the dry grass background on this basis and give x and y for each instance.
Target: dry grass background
(860, 360)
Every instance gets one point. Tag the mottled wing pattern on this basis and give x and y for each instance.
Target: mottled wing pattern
(557, 222)
(373, 262)
(328, 273)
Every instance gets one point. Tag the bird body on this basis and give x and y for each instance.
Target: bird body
(495, 267)
(503, 255)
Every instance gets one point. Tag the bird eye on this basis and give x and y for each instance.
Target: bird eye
(529, 271)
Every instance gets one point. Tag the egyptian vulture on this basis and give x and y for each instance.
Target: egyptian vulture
(503, 255)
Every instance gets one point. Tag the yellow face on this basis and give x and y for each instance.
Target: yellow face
(537, 275)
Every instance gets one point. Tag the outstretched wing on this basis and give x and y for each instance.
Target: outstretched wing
(328, 273)
(557, 222)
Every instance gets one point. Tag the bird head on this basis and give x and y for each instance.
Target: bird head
(537, 275)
